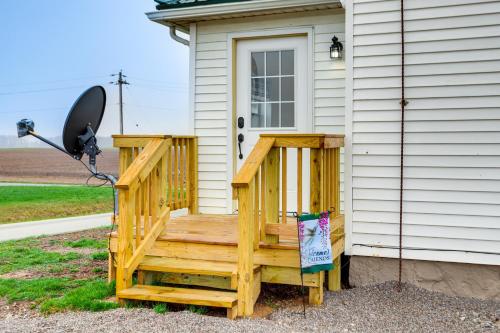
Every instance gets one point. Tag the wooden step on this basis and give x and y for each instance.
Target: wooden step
(188, 266)
(191, 266)
(223, 299)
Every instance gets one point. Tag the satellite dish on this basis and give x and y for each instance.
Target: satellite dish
(79, 130)
(83, 119)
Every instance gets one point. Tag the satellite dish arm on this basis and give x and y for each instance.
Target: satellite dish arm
(49, 143)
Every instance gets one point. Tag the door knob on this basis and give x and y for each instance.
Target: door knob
(241, 138)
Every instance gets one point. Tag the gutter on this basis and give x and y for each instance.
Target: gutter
(194, 13)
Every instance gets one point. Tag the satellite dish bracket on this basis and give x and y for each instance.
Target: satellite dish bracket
(88, 142)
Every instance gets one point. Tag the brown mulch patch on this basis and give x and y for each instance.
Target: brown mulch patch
(82, 268)
(56, 241)
(17, 309)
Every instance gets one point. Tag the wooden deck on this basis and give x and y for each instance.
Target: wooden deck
(216, 229)
(218, 260)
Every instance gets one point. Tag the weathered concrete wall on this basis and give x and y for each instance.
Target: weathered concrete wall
(480, 281)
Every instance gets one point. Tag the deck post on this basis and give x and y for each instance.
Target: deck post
(272, 191)
(245, 250)
(125, 236)
(316, 293)
(334, 276)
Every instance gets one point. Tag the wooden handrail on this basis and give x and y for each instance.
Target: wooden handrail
(143, 164)
(253, 162)
(306, 140)
(130, 141)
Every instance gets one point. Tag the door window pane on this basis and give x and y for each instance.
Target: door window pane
(257, 63)
(287, 89)
(258, 90)
(272, 89)
(258, 115)
(272, 115)
(287, 62)
(287, 115)
(272, 63)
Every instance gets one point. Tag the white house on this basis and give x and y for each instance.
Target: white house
(259, 66)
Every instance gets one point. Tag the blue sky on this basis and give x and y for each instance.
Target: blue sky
(53, 50)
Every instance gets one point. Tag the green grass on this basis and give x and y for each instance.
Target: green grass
(27, 203)
(99, 256)
(59, 294)
(36, 289)
(23, 254)
(87, 297)
(160, 308)
(197, 309)
(88, 243)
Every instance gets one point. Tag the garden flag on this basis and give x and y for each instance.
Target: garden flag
(315, 244)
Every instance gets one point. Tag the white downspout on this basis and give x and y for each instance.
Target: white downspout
(174, 36)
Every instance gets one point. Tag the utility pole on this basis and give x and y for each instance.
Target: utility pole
(120, 82)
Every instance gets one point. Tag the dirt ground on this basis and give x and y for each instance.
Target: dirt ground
(51, 166)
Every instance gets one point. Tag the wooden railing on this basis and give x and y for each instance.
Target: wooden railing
(257, 188)
(181, 161)
(157, 174)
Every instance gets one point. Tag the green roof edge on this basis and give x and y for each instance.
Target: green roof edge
(172, 4)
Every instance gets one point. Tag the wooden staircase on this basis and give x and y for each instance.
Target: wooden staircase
(218, 260)
(186, 268)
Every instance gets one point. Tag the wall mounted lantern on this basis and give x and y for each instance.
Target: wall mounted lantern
(336, 49)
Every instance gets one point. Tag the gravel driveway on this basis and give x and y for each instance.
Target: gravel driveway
(369, 309)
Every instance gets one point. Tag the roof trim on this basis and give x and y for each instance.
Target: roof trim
(198, 13)
(170, 4)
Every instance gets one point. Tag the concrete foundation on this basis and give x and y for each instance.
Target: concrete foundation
(457, 279)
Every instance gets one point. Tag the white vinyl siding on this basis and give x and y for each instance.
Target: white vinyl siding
(211, 108)
(452, 151)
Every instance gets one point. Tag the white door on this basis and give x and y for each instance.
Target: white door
(272, 97)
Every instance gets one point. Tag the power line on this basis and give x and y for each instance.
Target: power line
(34, 110)
(150, 107)
(52, 81)
(155, 81)
(22, 92)
(156, 88)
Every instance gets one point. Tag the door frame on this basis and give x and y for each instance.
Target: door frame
(232, 41)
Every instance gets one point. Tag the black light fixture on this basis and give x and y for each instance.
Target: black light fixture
(336, 48)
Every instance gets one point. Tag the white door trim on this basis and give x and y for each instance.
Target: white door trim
(232, 38)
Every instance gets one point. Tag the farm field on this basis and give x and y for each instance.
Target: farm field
(29, 203)
(51, 166)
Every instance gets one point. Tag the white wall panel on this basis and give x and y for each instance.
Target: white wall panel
(452, 155)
